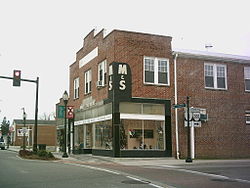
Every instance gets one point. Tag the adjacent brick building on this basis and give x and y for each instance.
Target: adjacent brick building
(113, 119)
(46, 133)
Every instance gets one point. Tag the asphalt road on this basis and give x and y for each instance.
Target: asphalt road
(16, 172)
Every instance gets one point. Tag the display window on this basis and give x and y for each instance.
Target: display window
(142, 135)
(103, 135)
(79, 137)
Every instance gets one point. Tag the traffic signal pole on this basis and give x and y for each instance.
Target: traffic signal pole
(36, 106)
(36, 114)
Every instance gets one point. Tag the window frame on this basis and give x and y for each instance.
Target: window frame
(76, 88)
(87, 80)
(215, 75)
(156, 71)
(102, 66)
(247, 114)
(245, 70)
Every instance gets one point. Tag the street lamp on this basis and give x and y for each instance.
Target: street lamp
(24, 128)
(65, 100)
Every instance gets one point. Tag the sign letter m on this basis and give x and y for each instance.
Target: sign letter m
(122, 69)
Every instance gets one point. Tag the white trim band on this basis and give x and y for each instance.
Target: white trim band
(122, 116)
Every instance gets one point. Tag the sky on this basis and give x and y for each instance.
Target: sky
(41, 38)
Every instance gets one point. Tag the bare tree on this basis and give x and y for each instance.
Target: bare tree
(46, 116)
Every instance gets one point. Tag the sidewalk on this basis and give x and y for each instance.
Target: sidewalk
(156, 161)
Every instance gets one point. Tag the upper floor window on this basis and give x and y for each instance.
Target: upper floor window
(76, 88)
(87, 84)
(215, 76)
(247, 78)
(247, 115)
(156, 71)
(102, 73)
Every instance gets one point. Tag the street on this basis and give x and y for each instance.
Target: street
(16, 172)
(89, 172)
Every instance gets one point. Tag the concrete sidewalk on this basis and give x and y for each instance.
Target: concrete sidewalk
(156, 161)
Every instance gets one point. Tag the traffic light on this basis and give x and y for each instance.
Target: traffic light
(16, 78)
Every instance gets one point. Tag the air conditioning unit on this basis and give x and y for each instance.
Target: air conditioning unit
(99, 83)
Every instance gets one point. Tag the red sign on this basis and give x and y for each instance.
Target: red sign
(70, 114)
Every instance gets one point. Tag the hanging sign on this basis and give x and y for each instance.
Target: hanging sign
(70, 112)
(119, 81)
(60, 111)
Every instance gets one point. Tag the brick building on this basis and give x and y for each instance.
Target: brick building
(123, 86)
(46, 130)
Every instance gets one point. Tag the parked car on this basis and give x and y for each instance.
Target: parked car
(2, 145)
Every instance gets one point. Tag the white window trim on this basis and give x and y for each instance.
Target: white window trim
(76, 88)
(88, 78)
(247, 113)
(156, 71)
(245, 78)
(215, 65)
(103, 64)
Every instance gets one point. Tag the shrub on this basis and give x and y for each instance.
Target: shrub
(45, 154)
(50, 155)
(24, 153)
(42, 153)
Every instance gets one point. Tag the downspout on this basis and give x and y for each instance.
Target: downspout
(176, 110)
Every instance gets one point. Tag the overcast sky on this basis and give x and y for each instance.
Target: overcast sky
(41, 38)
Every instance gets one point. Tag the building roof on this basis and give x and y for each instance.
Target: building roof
(32, 121)
(211, 56)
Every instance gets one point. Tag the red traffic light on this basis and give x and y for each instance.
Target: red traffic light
(16, 78)
(17, 73)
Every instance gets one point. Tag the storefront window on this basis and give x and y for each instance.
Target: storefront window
(79, 137)
(153, 109)
(142, 134)
(88, 137)
(137, 108)
(130, 108)
(103, 135)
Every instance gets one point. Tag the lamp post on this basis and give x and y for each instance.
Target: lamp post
(65, 100)
(24, 128)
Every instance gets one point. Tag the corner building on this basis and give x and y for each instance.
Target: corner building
(123, 86)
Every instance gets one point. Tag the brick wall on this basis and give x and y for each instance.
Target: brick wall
(226, 134)
(122, 46)
(46, 135)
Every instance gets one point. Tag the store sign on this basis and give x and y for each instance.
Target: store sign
(119, 81)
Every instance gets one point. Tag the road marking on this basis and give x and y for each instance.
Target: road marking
(23, 171)
(177, 168)
(113, 172)
(136, 179)
(243, 181)
(214, 175)
(94, 168)
(146, 182)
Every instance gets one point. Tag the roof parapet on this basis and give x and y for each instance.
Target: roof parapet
(212, 56)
